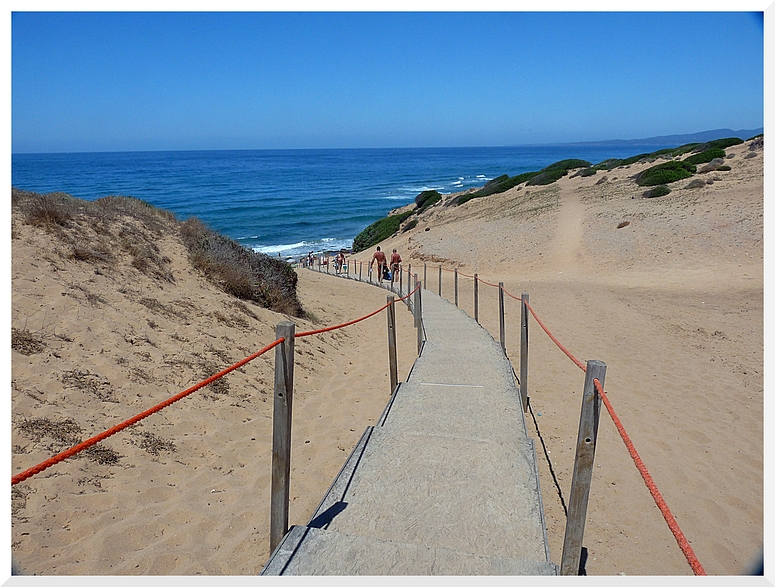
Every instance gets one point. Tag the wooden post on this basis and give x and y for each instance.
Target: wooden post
(476, 297)
(425, 273)
(370, 272)
(502, 314)
(582, 470)
(418, 319)
(416, 305)
(393, 358)
(439, 280)
(409, 276)
(400, 281)
(456, 304)
(523, 352)
(281, 433)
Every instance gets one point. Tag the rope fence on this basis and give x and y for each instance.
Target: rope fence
(594, 391)
(596, 385)
(80, 447)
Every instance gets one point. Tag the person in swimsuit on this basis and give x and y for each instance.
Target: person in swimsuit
(395, 265)
(381, 260)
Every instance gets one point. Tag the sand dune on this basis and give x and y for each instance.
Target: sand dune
(671, 302)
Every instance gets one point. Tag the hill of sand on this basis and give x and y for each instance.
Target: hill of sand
(672, 302)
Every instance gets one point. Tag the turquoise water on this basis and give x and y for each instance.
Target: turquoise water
(288, 201)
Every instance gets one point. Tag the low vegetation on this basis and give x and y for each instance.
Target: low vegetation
(378, 231)
(665, 173)
(657, 192)
(108, 230)
(706, 156)
(426, 199)
(245, 274)
(673, 169)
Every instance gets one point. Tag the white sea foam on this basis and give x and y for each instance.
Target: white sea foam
(267, 250)
(302, 248)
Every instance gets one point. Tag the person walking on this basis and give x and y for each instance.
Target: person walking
(395, 265)
(340, 260)
(381, 260)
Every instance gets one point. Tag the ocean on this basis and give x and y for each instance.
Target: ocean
(289, 202)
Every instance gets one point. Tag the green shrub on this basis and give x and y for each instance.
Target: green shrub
(634, 159)
(683, 149)
(665, 173)
(718, 144)
(378, 231)
(495, 186)
(723, 168)
(657, 192)
(566, 164)
(495, 181)
(409, 225)
(547, 177)
(607, 164)
(426, 199)
(706, 156)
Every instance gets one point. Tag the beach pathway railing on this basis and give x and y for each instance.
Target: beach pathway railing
(593, 395)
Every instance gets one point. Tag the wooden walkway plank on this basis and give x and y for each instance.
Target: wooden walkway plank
(446, 482)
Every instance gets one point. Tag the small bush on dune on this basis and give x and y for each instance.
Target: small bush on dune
(495, 186)
(608, 164)
(706, 156)
(665, 173)
(585, 172)
(426, 199)
(694, 184)
(242, 273)
(567, 164)
(410, 225)
(50, 210)
(555, 171)
(378, 231)
(718, 144)
(657, 192)
(547, 177)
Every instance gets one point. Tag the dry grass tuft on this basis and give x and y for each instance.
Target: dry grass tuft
(26, 343)
(65, 434)
(244, 274)
(107, 230)
(89, 382)
(154, 445)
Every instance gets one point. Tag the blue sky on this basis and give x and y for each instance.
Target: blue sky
(166, 81)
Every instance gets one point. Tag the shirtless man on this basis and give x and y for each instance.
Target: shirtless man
(395, 265)
(381, 260)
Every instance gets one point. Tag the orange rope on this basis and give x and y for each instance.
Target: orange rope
(487, 282)
(683, 543)
(579, 364)
(134, 419)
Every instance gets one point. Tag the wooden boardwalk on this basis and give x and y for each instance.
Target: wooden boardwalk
(444, 484)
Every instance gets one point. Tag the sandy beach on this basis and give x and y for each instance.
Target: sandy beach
(668, 292)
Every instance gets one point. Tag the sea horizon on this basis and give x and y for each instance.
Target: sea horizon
(288, 202)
